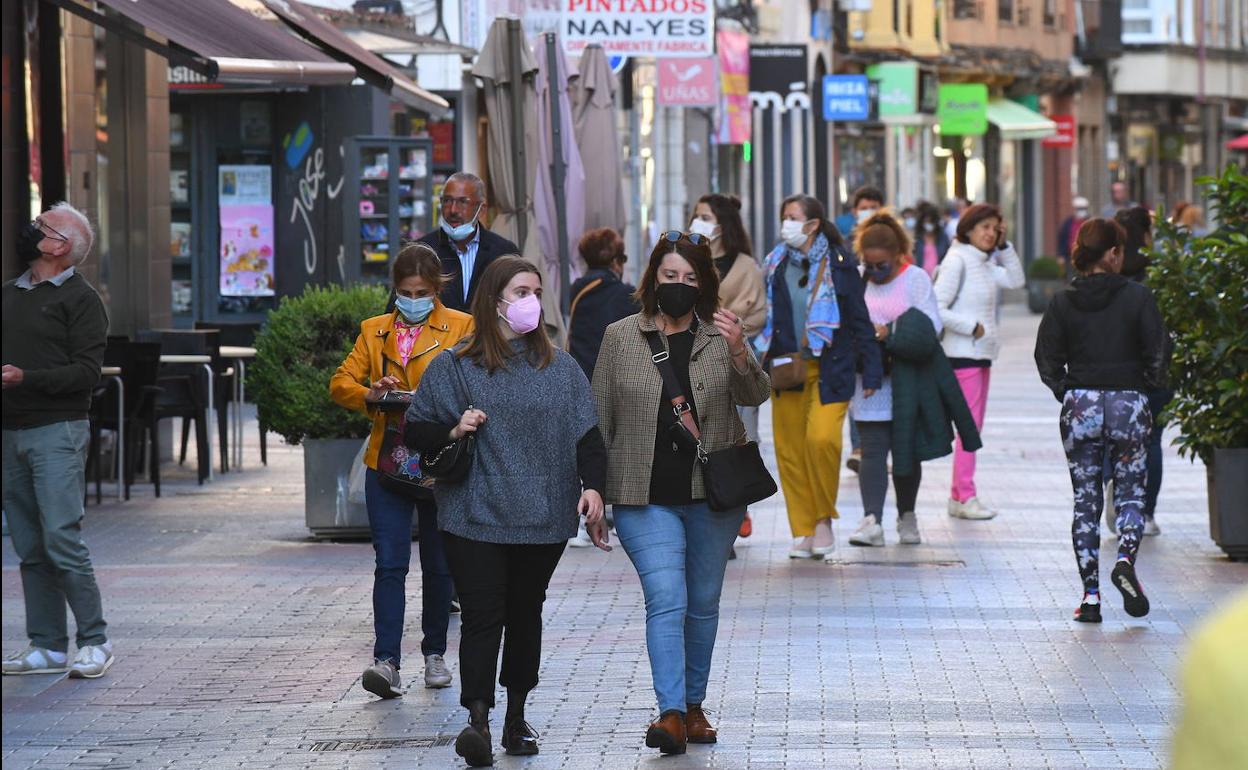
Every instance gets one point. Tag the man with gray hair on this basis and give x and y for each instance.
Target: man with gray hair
(461, 241)
(55, 328)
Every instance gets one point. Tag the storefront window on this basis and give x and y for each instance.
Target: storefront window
(181, 221)
(103, 233)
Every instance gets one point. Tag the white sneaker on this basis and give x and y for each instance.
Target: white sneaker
(908, 529)
(869, 532)
(581, 539)
(437, 675)
(1150, 528)
(824, 542)
(91, 661)
(801, 548)
(971, 509)
(35, 660)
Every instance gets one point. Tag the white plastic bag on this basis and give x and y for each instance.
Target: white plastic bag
(355, 483)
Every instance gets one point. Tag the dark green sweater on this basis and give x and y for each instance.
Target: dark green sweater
(56, 336)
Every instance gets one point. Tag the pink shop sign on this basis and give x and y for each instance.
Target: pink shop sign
(688, 82)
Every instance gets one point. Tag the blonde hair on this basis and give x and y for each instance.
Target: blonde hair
(883, 231)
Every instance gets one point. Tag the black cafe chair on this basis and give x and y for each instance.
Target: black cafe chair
(233, 334)
(140, 370)
(183, 391)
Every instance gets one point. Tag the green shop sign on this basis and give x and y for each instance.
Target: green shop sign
(899, 86)
(963, 109)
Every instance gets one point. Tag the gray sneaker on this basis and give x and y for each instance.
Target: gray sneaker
(35, 660)
(91, 661)
(437, 675)
(908, 529)
(382, 679)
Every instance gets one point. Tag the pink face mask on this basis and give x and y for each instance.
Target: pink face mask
(524, 314)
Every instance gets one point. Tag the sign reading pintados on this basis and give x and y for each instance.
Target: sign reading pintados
(664, 28)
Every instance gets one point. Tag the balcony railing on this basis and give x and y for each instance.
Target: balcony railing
(1099, 34)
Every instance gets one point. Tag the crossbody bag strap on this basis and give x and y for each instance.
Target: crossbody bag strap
(671, 386)
(572, 308)
(459, 373)
(814, 290)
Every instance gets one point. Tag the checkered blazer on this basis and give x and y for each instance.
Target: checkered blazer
(628, 388)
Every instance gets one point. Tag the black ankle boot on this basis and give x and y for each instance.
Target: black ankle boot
(473, 743)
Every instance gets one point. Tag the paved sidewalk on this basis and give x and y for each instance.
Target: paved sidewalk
(240, 641)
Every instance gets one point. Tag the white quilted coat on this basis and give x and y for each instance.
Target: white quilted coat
(967, 288)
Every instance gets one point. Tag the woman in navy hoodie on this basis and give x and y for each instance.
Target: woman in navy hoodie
(1101, 348)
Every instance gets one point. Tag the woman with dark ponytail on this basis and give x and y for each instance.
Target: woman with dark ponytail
(1101, 348)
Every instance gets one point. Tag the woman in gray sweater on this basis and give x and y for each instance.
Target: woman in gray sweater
(539, 460)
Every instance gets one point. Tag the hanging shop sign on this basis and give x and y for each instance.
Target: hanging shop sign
(777, 69)
(1065, 136)
(687, 82)
(666, 28)
(846, 98)
(735, 115)
(245, 198)
(1141, 143)
(963, 109)
(898, 85)
(929, 92)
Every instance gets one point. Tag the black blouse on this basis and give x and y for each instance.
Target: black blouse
(671, 477)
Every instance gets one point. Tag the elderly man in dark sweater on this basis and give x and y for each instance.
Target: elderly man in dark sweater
(55, 329)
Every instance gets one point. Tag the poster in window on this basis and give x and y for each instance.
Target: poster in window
(245, 196)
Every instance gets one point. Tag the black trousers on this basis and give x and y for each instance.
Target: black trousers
(500, 587)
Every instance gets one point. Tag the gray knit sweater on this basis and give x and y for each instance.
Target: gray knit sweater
(524, 485)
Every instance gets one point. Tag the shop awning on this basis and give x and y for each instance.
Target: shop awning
(1017, 122)
(1238, 144)
(224, 42)
(396, 44)
(375, 70)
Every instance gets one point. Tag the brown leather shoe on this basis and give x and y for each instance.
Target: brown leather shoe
(698, 728)
(667, 733)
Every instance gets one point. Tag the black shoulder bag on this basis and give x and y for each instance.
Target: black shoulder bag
(451, 463)
(734, 477)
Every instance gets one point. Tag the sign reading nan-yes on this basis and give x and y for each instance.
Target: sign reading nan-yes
(662, 28)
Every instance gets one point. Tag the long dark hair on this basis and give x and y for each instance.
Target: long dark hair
(727, 211)
(813, 209)
(487, 346)
(1137, 221)
(699, 258)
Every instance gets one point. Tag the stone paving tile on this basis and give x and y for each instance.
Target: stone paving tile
(240, 640)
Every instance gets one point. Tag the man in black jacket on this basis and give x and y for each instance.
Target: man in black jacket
(55, 331)
(463, 243)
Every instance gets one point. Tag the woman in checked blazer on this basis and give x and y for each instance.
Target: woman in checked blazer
(678, 545)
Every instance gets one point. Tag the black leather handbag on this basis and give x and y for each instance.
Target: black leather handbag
(451, 463)
(734, 477)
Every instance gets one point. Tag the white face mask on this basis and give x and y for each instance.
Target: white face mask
(707, 230)
(865, 214)
(792, 234)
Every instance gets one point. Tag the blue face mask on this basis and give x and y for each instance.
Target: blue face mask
(414, 309)
(461, 232)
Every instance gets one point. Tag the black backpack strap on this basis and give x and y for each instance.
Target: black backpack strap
(672, 393)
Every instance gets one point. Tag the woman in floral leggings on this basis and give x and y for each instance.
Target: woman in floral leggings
(1100, 349)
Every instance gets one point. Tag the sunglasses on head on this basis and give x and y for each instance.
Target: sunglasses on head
(675, 236)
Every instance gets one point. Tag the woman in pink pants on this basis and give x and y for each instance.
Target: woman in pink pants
(979, 263)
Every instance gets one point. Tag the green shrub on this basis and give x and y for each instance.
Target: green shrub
(1201, 284)
(304, 341)
(1045, 269)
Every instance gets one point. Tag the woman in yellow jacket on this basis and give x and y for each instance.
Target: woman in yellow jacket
(392, 353)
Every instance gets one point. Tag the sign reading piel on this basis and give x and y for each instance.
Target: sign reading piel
(687, 83)
(660, 28)
(963, 109)
(846, 98)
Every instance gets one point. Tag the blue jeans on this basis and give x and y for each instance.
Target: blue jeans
(390, 520)
(680, 552)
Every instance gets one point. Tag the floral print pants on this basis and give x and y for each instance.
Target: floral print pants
(1098, 425)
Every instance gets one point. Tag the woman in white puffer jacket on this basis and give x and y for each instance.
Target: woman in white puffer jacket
(979, 263)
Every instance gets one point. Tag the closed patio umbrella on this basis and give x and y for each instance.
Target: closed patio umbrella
(508, 69)
(598, 137)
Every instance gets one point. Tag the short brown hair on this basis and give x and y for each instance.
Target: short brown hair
(486, 345)
(420, 260)
(1096, 236)
(882, 231)
(601, 247)
(973, 216)
(699, 258)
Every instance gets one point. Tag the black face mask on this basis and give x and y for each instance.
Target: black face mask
(877, 273)
(676, 299)
(28, 241)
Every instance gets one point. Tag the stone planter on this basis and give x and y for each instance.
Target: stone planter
(1040, 291)
(1228, 501)
(326, 470)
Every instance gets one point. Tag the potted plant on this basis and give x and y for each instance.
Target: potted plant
(300, 347)
(1045, 277)
(1201, 283)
